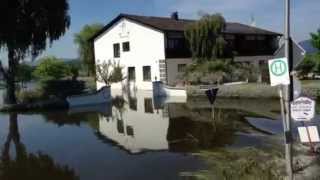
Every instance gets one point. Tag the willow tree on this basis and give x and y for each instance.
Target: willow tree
(26, 27)
(85, 48)
(24, 165)
(205, 37)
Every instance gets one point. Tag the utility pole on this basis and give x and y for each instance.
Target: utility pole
(288, 92)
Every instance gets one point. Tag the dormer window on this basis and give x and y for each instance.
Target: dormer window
(126, 46)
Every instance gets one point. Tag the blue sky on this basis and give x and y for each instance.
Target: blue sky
(267, 13)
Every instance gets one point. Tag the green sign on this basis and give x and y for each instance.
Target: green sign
(279, 67)
(279, 71)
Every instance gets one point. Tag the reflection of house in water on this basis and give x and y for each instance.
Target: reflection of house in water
(148, 124)
(138, 126)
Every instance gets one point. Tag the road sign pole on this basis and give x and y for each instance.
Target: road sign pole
(312, 149)
(288, 92)
(282, 108)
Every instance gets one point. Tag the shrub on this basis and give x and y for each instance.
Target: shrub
(73, 71)
(62, 88)
(24, 73)
(51, 68)
(109, 72)
(219, 71)
(29, 96)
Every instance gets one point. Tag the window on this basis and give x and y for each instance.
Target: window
(181, 67)
(126, 46)
(133, 103)
(130, 131)
(120, 126)
(131, 73)
(148, 105)
(146, 73)
(116, 50)
(261, 38)
(229, 37)
(250, 38)
(172, 43)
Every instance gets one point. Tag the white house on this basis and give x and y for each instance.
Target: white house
(154, 48)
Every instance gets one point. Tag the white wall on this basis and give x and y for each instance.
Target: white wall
(150, 129)
(146, 49)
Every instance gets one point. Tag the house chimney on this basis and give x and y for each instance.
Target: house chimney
(175, 16)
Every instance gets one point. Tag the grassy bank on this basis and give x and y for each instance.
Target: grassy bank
(255, 90)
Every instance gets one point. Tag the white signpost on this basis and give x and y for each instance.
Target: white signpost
(303, 109)
(279, 72)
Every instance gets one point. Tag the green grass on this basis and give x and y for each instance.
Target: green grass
(256, 90)
(241, 164)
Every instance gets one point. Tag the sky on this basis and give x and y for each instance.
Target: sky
(268, 14)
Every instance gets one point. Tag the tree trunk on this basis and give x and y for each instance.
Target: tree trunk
(13, 135)
(10, 80)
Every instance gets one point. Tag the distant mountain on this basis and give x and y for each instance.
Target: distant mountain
(307, 45)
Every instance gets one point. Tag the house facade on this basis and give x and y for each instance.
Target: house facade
(154, 48)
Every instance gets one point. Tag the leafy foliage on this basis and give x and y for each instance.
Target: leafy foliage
(205, 37)
(24, 73)
(85, 47)
(61, 88)
(109, 72)
(307, 66)
(51, 68)
(30, 96)
(27, 27)
(218, 71)
(315, 39)
(73, 71)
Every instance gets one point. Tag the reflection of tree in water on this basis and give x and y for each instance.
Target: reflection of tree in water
(62, 118)
(189, 132)
(27, 165)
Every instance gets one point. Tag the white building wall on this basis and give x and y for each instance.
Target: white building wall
(150, 129)
(146, 49)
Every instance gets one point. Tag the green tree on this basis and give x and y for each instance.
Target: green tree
(307, 66)
(315, 39)
(205, 37)
(27, 27)
(24, 73)
(73, 71)
(51, 68)
(85, 48)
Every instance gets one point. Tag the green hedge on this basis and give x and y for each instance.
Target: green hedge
(62, 88)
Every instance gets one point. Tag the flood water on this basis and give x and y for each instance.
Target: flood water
(135, 137)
